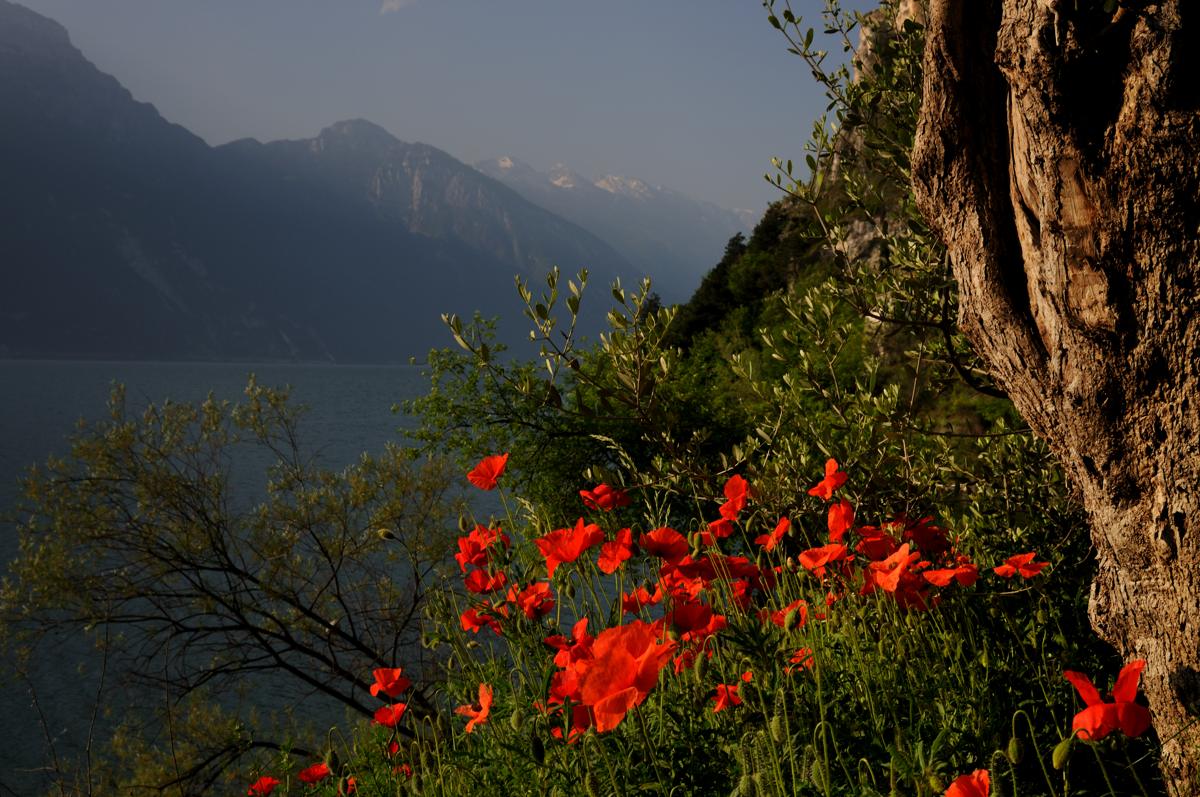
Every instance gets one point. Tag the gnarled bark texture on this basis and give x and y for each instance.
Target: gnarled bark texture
(1058, 155)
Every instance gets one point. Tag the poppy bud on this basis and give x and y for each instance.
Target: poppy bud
(791, 564)
(386, 534)
(537, 749)
(935, 783)
(1016, 750)
(777, 729)
(1062, 751)
(745, 784)
(790, 620)
(569, 589)
(700, 667)
(983, 657)
(517, 720)
(589, 786)
(746, 692)
(1042, 617)
(464, 525)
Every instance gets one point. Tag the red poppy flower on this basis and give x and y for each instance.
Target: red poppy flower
(841, 518)
(473, 548)
(717, 530)
(977, 784)
(802, 658)
(615, 552)
(887, 574)
(389, 716)
(604, 498)
(696, 622)
(769, 541)
(1100, 718)
(624, 668)
(405, 770)
(477, 713)
(262, 787)
(817, 559)
(727, 694)
(632, 602)
(964, 573)
(572, 649)
(482, 582)
(567, 545)
(666, 543)
(931, 539)
(779, 618)
(473, 620)
(485, 474)
(389, 681)
(535, 601)
(1022, 564)
(314, 774)
(876, 544)
(737, 492)
(833, 480)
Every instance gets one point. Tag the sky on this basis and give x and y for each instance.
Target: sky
(694, 95)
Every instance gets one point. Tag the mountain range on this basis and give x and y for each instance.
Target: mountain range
(661, 232)
(126, 236)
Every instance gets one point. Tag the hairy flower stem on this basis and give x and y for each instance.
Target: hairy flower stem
(1033, 737)
(641, 721)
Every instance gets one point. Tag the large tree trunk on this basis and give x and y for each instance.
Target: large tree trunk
(1058, 155)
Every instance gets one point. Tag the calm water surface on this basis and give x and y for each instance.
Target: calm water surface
(40, 403)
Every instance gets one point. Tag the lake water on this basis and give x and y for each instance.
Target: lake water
(40, 403)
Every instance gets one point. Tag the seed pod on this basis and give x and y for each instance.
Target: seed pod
(1062, 751)
(791, 620)
(537, 749)
(1016, 750)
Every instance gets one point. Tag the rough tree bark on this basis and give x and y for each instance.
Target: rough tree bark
(1058, 155)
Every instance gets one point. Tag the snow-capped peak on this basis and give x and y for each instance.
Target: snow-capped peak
(563, 177)
(625, 186)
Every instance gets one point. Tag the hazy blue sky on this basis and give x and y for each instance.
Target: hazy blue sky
(696, 95)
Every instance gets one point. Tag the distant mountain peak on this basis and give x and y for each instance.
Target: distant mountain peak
(563, 177)
(627, 186)
(31, 34)
(357, 134)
